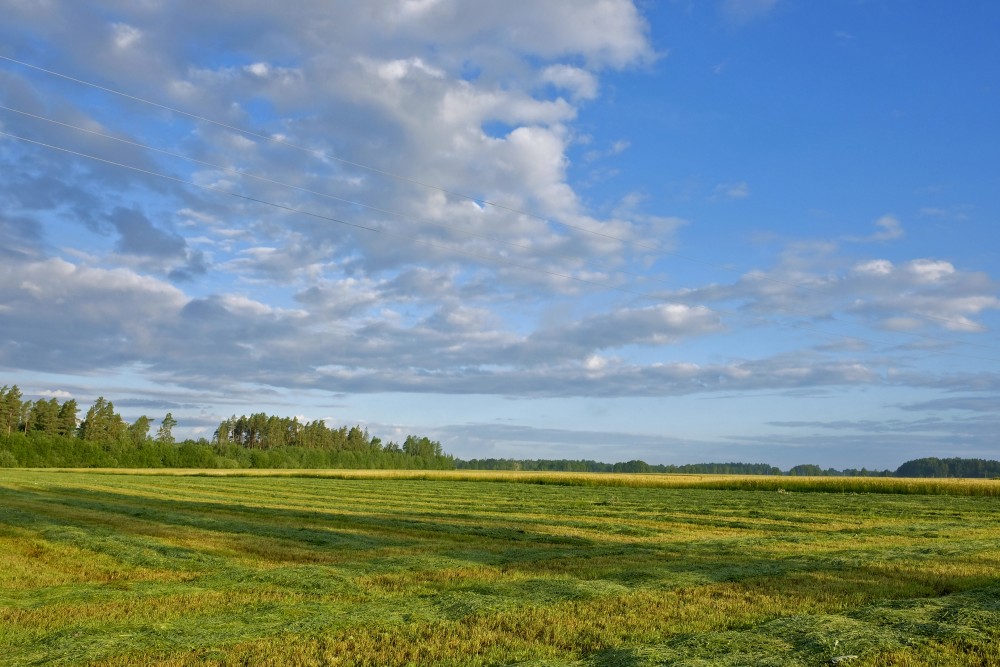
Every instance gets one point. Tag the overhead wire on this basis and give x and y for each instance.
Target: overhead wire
(325, 195)
(478, 200)
(478, 256)
(323, 155)
(321, 216)
(404, 216)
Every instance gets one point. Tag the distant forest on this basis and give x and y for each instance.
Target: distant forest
(926, 467)
(47, 433)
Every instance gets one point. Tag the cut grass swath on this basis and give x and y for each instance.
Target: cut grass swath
(482, 569)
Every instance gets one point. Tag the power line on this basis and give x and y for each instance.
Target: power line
(603, 285)
(382, 172)
(327, 156)
(266, 179)
(292, 209)
(404, 216)
(481, 201)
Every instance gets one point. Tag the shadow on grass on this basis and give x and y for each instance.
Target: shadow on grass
(960, 627)
(526, 568)
(130, 528)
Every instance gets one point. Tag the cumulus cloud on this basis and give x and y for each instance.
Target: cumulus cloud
(920, 295)
(449, 242)
(57, 393)
(653, 325)
(61, 317)
(427, 112)
(579, 83)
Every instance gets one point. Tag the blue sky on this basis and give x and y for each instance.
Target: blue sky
(754, 230)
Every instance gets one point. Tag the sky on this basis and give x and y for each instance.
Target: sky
(675, 231)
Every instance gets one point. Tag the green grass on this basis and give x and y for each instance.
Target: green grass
(471, 569)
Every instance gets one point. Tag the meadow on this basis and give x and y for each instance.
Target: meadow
(463, 568)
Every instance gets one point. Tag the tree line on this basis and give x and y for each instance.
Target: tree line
(586, 465)
(101, 423)
(953, 467)
(263, 431)
(926, 467)
(47, 433)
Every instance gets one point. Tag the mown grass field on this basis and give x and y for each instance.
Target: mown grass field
(472, 569)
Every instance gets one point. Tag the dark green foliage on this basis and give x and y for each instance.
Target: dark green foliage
(568, 465)
(636, 466)
(44, 416)
(262, 431)
(165, 432)
(44, 434)
(67, 418)
(632, 466)
(727, 469)
(40, 450)
(540, 465)
(138, 432)
(10, 409)
(423, 447)
(102, 424)
(954, 467)
(283, 442)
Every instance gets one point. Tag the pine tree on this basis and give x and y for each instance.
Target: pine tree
(44, 416)
(102, 424)
(164, 434)
(67, 418)
(10, 409)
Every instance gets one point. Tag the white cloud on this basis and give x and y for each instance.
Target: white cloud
(742, 11)
(58, 393)
(581, 84)
(125, 36)
(258, 69)
(913, 296)
(619, 147)
(929, 270)
(738, 190)
(397, 70)
(651, 325)
(875, 267)
(889, 229)
(70, 318)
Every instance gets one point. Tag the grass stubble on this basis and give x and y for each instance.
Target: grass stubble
(382, 569)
